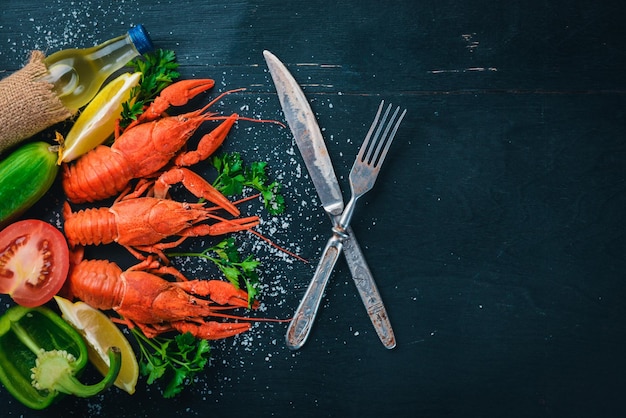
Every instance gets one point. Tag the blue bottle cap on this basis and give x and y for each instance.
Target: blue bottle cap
(140, 38)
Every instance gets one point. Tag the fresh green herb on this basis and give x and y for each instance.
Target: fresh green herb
(233, 176)
(130, 112)
(227, 258)
(177, 359)
(158, 70)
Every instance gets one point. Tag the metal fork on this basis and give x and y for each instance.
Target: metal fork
(362, 178)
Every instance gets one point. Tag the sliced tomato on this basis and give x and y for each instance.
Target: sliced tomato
(34, 261)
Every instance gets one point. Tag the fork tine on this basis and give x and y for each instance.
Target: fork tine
(387, 139)
(374, 147)
(374, 158)
(370, 152)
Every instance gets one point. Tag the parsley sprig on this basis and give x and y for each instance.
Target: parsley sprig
(176, 359)
(233, 176)
(158, 69)
(225, 255)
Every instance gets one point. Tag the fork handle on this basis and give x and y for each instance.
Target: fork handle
(302, 322)
(368, 290)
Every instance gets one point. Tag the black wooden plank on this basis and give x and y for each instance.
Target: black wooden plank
(495, 231)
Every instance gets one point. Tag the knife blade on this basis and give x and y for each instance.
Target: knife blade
(311, 144)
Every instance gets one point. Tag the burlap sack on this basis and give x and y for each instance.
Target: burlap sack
(28, 106)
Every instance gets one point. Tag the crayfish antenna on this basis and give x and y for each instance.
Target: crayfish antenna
(275, 122)
(243, 318)
(278, 247)
(224, 94)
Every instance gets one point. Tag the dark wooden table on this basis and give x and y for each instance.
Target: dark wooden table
(496, 230)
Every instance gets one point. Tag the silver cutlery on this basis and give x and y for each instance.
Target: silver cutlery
(311, 144)
(362, 178)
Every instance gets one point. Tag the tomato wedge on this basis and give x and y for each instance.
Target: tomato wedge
(34, 261)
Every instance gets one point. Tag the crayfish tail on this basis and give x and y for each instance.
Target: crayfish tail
(97, 175)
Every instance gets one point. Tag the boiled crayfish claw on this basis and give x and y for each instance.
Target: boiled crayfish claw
(177, 94)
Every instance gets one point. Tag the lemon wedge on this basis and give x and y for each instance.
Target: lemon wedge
(96, 122)
(100, 333)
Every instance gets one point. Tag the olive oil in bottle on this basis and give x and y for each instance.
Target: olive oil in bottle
(78, 74)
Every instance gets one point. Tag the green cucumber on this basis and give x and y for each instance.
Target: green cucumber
(25, 176)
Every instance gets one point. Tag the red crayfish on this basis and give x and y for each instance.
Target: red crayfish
(143, 298)
(142, 224)
(146, 221)
(145, 148)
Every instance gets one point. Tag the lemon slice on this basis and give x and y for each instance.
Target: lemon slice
(101, 333)
(96, 122)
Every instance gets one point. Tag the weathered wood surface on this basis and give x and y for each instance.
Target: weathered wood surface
(496, 231)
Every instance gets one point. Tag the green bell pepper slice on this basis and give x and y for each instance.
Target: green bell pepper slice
(37, 342)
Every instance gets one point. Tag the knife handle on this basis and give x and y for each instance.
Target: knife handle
(368, 291)
(300, 326)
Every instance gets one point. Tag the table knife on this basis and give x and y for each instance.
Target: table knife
(311, 144)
